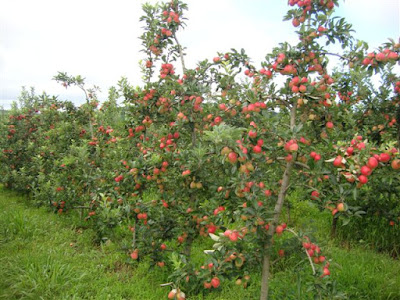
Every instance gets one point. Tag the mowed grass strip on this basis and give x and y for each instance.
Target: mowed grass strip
(44, 256)
(47, 256)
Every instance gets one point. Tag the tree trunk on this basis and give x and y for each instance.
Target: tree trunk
(333, 228)
(398, 126)
(275, 220)
(190, 239)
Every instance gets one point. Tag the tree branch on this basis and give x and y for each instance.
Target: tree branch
(308, 255)
(296, 163)
(180, 53)
(337, 55)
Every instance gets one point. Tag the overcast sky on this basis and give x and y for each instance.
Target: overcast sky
(99, 39)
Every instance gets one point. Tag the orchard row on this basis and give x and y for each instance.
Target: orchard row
(215, 151)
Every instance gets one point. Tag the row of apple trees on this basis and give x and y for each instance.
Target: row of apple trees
(216, 150)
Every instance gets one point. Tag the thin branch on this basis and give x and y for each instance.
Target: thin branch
(337, 55)
(288, 187)
(80, 207)
(134, 237)
(167, 284)
(296, 163)
(284, 102)
(308, 255)
(88, 103)
(180, 53)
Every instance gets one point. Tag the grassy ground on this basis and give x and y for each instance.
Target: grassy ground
(46, 256)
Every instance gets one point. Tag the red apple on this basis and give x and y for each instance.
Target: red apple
(363, 179)
(232, 157)
(293, 147)
(279, 229)
(215, 282)
(384, 157)
(302, 88)
(338, 161)
(257, 149)
(172, 294)
(252, 134)
(314, 195)
(233, 236)
(372, 162)
(295, 22)
(350, 150)
(365, 170)
(207, 285)
(396, 164)
(135, 254)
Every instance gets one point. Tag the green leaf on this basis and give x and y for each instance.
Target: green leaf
(346, 221)
(359, 213)
(355, 194)
(297, 128)
(234, 169)
(214, 237)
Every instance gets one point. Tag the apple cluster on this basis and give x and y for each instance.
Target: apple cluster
(374, 58)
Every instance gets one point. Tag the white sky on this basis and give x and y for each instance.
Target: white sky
(99, 39)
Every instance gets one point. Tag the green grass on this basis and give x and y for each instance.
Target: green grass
(359, 271)
(46, 256)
